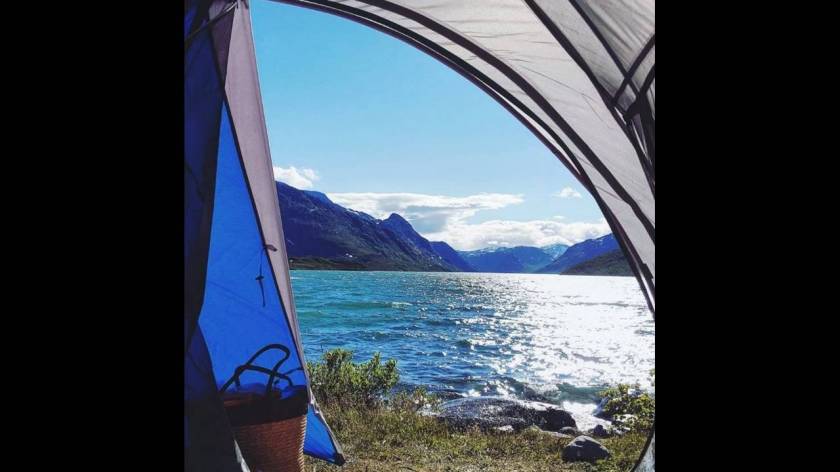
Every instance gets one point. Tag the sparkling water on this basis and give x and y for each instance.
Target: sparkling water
(555, 338)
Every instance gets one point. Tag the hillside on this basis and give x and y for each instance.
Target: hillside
(581, 252)
(518, 259)
(322, 234)
(452, 256)
(611, 263)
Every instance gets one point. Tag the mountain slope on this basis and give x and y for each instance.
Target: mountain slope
(322, 234)
(451, 256)
(610, 263)
(490, 260)
(555, 250)
(398, 225)
(519, 259)
(581, 252)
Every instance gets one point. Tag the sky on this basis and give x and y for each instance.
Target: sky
(382, 128)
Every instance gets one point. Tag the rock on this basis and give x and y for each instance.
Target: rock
(494, 412)
(445, 395)
(570, 430)
(552, 434)
(555, 418)
(504, 429)
(600, 432)
(584, 448)
(556, 435)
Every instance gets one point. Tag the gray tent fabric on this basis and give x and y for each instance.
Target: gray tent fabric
(242, 90)
(232, 230)
(579, 74)
(557, 66)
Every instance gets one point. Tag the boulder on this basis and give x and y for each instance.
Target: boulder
(570, 430)
(599, 431)
(586, 449)
(552, 434)
(494, 412)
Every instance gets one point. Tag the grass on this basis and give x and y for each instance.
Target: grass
(376, 436)
(381, 439)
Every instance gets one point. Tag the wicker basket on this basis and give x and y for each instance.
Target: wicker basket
(269, 427)
(273, 447)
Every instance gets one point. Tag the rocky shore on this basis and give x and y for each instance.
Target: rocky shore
(512, 415)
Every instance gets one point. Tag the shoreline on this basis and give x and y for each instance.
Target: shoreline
(357, 269)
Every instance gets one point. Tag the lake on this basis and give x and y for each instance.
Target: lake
(555, 338)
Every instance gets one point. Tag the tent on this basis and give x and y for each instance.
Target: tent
(578, 74)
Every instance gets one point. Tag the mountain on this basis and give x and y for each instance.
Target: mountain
(519, 259)
(490, 260)
(322, 234)
(610, 263)
(555, 250)
(403, 228)
(581, 252)
(451, 256)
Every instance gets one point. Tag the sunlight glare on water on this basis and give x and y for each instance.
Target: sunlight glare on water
(546, 337)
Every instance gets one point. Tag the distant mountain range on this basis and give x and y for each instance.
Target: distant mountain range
(517, 259)
(321, 234)
(452, 256)
(580, 252)
(555, 250)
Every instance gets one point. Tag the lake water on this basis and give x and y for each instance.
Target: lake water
(545, 337)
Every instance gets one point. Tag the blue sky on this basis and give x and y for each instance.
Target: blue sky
(381, 127)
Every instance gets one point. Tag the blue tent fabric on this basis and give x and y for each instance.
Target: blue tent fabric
(237, 297)
(202, 111)
(208, 441)
(579, 75)
(319, 441)
(242, 308)
(240, 314)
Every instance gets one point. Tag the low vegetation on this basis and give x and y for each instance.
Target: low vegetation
(383, 430)
(338, 381)
(630, 408)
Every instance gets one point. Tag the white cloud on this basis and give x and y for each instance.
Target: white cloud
(508, 233)
(568, 192)
(444, 218)
(298, 178)
(427, 213)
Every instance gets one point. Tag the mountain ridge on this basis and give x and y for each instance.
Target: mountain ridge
(609, 263)
(321, 234)
(581, 252)
(517, 259)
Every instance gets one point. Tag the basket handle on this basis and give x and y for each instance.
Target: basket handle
(271, 373)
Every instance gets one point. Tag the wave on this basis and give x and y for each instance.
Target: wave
(565, 392)
(363, 305)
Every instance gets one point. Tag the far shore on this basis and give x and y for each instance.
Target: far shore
(328, 264)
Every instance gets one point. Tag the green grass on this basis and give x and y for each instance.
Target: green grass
(394, 437)
(384, 440)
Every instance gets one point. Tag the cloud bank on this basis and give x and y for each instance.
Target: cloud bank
(298, 178)
(568, 192)
(444, 218)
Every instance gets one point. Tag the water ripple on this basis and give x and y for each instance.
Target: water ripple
(556, 338)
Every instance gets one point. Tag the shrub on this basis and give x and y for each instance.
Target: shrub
(338, 380)
(631, 408)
